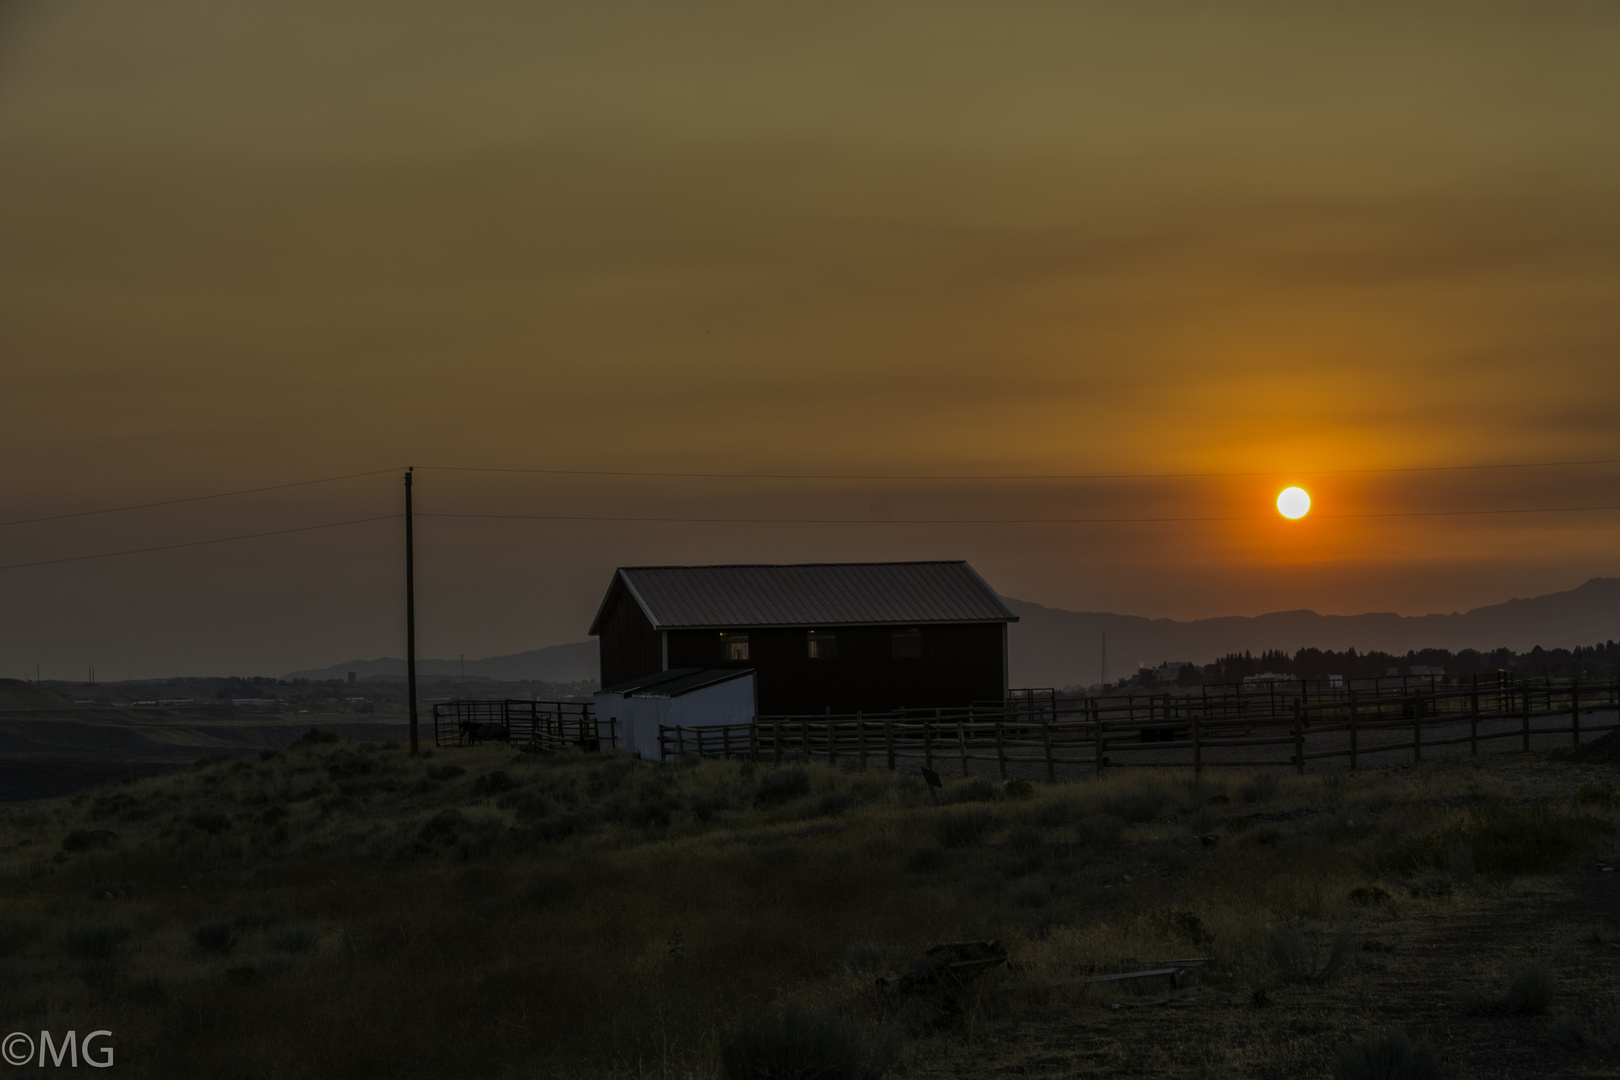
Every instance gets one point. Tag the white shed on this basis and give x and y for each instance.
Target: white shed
(684, 697)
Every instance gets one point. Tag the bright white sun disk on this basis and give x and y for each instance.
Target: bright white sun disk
(1293, 503)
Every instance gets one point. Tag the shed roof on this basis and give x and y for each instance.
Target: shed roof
(675, 682)
(808, 594)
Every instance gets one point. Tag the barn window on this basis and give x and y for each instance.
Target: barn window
(906, 643)
(734, 644)
(821, 645)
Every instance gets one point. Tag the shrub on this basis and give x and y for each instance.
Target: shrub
(443, 773)
(14, 937)
(561, 826)
(1020, 790)
(549, 887)
(1261, 788)
(216, 936)
(103, 942)
(1030, 894)
(1597, 934)
(799, 1041)
(1140, 807)
(1054, 812)
(1529, 993)
(315, 737)
(963, 828)
(1294, 955)
(253, 919)
(211, 822)
(926, 857)
(1368, 895)
(99, 974)
(88, 839)
(494, 783)
(834, 802)
(441, 827)
(1598, 793)
(971, 791)
(1390, 1055)
(782, 785)
(1184, 925)
(868, 957)
(1572, 1033)
(1100, 832)
(294, 939)
(1460, 860)
(1508, 840)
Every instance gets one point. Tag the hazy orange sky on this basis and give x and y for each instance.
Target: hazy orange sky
(248, 244)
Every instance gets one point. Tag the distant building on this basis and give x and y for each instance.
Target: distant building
(819, 637)
(1266, 678)
(1166, 673)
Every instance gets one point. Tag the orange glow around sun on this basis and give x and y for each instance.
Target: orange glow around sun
(1294, 502)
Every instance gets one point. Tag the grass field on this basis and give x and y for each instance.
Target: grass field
(340, 909)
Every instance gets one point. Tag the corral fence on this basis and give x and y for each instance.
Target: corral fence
(528, 725)
(1289, 723)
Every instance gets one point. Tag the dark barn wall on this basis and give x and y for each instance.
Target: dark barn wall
(961, 663)
(630, 647)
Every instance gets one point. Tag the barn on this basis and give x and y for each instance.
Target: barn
(819, 637)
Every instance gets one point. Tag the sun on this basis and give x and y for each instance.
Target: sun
(1293, 503)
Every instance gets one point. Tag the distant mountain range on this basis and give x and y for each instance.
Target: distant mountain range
(574, 662)
(1053, 647)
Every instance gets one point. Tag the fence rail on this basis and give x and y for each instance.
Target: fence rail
(1033, 735)
(529, 725)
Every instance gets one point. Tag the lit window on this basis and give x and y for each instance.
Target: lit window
(733, 645)
(906, 644)
(821, 645)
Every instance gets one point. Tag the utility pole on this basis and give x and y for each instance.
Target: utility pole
(410, 613)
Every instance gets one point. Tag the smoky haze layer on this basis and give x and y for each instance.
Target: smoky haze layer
(248, 244)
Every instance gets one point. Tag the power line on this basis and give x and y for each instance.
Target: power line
(1020, 476)
(198, 543)
(812, 476)
(1001, 521)
(192, 498)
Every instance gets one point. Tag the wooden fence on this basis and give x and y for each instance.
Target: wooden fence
(528, 725)
(1171, 730)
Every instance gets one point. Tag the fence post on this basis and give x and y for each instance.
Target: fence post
(1198, 748)
(860, 737)
(1001, 748)
(888, 741)
(1417, 728)
(776, 743)
(961, 742)
(1575, 710)
(1524, 709)
(1099, 737)
(753, 740)
(725, 743)
(1046, 738)
(1355, 729)
(804, 738)
(1473, 721)
(928, 742)
(1299, 740)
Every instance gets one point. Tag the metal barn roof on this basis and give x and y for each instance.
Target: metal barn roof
(811, 594)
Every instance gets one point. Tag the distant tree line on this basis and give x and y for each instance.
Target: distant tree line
(1599, 661)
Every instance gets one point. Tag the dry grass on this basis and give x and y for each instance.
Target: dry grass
(340, 909)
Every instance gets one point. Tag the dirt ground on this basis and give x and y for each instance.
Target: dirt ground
(1411, 958)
